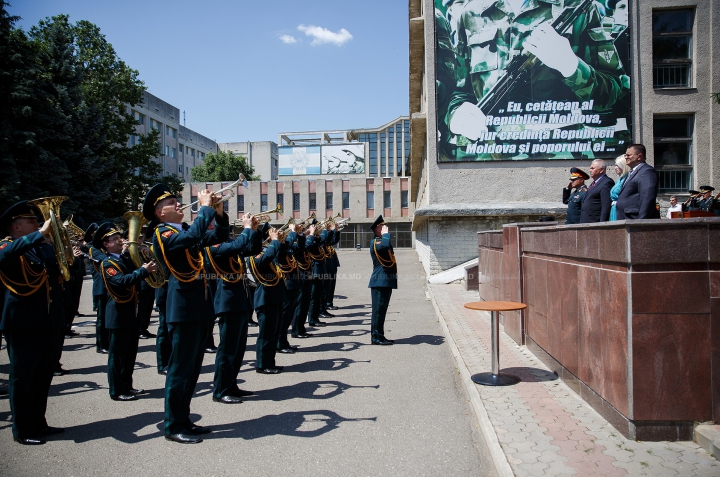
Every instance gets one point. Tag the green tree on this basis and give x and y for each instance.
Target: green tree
(223, 166)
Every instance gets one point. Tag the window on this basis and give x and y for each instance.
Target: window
(672, 138)
(672, 48)
(296, 201)
(180, 167)
(140, 118)
(167, 150)
(155, 125)
(346, 200)
(404, 199)
(173, 152)
(180, 148)
(194, 208)
(241, 203)
(281, 200)
(192, 151)
(226, 206)
(370, 199)
(313, 203)
(263, 203)
(387, 199)
(328, 201)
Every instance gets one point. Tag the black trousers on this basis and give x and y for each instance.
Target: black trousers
(183, 372)
(77, 284)
(163, 342)
(121, 360)
(102, 337)
(210, 339)
(316, 298)
(380, 302)
(230, 352)
(329, 290)
(146, 300)
(269, 317)
(33, 356)
(291, 303)
(301, 312)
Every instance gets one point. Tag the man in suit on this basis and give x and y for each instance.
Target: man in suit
(597, 203)
(33, 319)
(637, 199)
(382, 281)
(574, 194)
(122, 282)
(188, 306)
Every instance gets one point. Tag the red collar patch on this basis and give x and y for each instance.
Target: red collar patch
(167, 233)
(111, 271)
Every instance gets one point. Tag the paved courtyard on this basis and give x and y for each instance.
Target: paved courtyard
(342, 407)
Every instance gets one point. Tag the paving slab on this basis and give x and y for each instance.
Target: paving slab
(342, 407)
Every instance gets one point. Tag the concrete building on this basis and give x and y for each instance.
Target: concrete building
(360, 199)
(671, 73)
(262, 155)
(181, 148)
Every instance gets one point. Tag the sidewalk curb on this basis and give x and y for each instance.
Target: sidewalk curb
(502, 466)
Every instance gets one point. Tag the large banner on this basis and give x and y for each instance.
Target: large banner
(343, 158)
(532, 79)
(298, 160)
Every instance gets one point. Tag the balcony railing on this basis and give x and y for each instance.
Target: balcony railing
(671, 76)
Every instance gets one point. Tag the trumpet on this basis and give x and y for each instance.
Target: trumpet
(282, 231)
(230, 188)
(261, 217)
(342, 223)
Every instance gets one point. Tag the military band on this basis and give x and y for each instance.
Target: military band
(284, 275)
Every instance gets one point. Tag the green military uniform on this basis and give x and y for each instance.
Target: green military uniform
(574, 197)
(382, 282)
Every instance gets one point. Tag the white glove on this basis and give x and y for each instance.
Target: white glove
(552, 49)
(468, 121)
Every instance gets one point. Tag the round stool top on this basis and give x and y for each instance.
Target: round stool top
(495, 305)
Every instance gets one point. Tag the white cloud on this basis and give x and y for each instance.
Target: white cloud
(287, 39)
(322, 35)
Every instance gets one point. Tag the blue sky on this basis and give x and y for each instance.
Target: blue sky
(248, 70)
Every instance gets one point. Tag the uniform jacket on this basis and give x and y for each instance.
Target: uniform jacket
(32, 312)
(265, 272)
(98, 288)
(574, 200)
(304, 263)
(232, 289)
(296, 248)
(638, 195)
(597, 203)
(332, 262)
(122, 280)
(188, 300)
(383, 277)
(316, 249)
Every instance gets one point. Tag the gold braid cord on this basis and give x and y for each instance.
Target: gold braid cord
(258, 277)
(118, 299)
(33, 280)
(196, 264)
(291, 265)
(307, 264)
(236, 268)
(385, 263)
(320, 256)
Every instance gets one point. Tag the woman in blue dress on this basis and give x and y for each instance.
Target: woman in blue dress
(622, 170)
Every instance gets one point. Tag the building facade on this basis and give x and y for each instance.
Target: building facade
(262, 155)
(181, 148)
(661, 69)
(359, 199)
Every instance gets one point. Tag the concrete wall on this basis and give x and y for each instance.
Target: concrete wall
(262, 155)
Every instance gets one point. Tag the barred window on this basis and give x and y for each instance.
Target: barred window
(263, 203)
(296, 201)
(241, 203)
(346, 200)
(281, 199)
(328, 200)
(313, 203)
(672, 48)
(672, 144)
(387, 199)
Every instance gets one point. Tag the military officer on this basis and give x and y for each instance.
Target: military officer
(574, 194)
(100, 297)
(163, 346)
(188, 304)
(382, 281)
(212, 289)
(233, 306)
(305, 272)
(316, 250)
(293, 287)
(122, 281)
(32, 319)
(269, 297)
(706, 202)
(146, 300)
(332, 263)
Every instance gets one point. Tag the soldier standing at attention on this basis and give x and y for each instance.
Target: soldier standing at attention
(32, 320)
(382, 281)
(304, 269)
(100, 297)
(233, 306)
(574, 194)
(122, 282)
(188, 305)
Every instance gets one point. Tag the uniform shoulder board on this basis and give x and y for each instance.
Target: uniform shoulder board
(258, 255)
(111, 271)
(4, 244)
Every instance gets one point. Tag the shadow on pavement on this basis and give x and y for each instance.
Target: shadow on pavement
(531, 375)
(305, 390)
(295, 424)
(123, 429)
(74, 387)
(421, 339)
(347, 346)
(332, 364)
(318, 332)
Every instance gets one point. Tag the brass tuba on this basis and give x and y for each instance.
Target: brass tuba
(75, 232)
(139, 253)
(62, 247)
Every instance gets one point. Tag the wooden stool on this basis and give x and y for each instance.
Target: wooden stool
(495, 378)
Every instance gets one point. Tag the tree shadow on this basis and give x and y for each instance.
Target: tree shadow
(531, 375)
(295, 424)
(305, 390)
(332, 364)
(421, 339)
